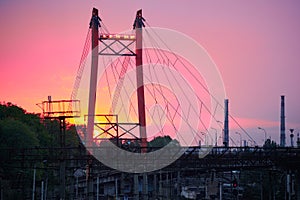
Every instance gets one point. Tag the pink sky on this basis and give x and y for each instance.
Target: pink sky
(255, 44)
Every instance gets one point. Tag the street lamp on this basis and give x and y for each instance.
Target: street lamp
(205, 137)
(216, 136)
(264, 131)
(240, 138)
(222, 125)
(220, 122)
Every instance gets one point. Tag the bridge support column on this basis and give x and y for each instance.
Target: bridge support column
(261, 186)
(136, 186)
(297, 184)
(166, 190)
(178, 188)
(122, 186)
(145, 186)
(160, 190)
(220, 190)
(155, 194)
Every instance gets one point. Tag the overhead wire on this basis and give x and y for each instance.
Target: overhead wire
(212, 96)
(168, 103)
(161, 58)
(168, 62)
(82, 63)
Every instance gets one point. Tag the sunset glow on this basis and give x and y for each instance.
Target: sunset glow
(254, 44)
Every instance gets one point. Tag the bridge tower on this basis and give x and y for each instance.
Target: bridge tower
(93, 78)
(139, 76)
(138, 25)
(94, 25)
(109, 49)
(108, 42)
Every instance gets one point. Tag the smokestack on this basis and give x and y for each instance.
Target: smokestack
(282, 123)
(226, 123)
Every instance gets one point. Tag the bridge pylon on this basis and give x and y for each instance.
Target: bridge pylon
(107, 44)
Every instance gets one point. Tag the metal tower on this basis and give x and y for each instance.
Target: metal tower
(61, 110)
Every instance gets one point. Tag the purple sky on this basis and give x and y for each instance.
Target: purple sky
(255, 44)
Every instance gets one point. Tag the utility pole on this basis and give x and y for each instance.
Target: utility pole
(59, 110)
(33, 184)
(62, 165)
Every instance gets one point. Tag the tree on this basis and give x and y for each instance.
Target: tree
(10, 114)
(21, 131)
(160, 142)
(269, 144)
(17, 131)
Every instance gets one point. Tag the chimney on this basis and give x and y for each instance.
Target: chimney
(282, 123)
(226, 123)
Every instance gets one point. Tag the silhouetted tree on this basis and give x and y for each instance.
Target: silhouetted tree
(160, 142)
(269, 144)
(20, 130)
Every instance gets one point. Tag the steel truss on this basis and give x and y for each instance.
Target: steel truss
(219, 158)
(109, 41)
